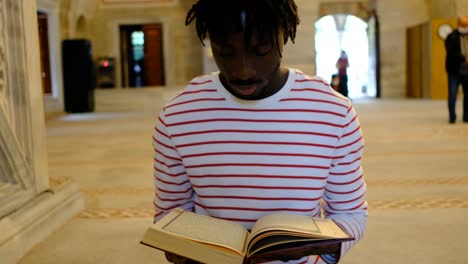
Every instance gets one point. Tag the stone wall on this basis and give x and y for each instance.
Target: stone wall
(461, 7)
(395, 18)
(181, 49)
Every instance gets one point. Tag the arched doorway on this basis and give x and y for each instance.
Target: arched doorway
(338, 32)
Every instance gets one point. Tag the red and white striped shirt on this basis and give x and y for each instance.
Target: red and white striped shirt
(298, 151)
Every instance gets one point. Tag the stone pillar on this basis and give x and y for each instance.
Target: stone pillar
(29, 208)
(301, 54)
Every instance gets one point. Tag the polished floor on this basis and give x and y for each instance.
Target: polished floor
(415, 164)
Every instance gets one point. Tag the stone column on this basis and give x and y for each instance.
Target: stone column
(29, 208)
(17, 177)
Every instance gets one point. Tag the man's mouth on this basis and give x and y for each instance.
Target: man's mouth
(244, 87)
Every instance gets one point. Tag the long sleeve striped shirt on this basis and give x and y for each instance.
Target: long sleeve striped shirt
(298, 151)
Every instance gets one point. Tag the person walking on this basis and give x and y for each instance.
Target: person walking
(342, 65)
(456, 65)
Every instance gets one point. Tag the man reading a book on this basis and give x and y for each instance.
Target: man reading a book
(257, 137)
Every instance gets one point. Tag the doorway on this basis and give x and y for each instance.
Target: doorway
(142, 55)
(42, 22)
(351, 34)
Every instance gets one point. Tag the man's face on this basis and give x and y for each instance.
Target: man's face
(248, 70)
(463, 21)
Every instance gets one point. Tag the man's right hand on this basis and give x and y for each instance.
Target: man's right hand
(176, 259)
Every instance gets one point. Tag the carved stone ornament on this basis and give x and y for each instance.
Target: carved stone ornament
(16, 173)
(2, 52)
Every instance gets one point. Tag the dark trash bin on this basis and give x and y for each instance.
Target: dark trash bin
(79, 75)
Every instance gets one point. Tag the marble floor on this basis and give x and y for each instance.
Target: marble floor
(416, 167)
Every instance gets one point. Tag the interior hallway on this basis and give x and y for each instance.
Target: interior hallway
(415, 164)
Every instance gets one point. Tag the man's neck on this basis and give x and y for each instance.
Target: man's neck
(277, 83)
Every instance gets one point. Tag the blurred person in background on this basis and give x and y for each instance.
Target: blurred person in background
(456, 65)
(342, 66)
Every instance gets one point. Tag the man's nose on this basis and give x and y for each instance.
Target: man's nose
(244, 68)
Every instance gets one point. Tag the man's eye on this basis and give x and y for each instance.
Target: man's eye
(225, 54)
(262, 52)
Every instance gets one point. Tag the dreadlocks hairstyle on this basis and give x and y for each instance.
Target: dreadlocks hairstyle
(219, 18)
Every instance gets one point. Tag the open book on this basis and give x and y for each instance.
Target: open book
(276, 236)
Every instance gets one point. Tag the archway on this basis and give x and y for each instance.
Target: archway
(349, 33)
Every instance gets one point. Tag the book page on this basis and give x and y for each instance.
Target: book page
(209, 230)
(205, 253)
(286, 222)
(330, 229)
(269, 242)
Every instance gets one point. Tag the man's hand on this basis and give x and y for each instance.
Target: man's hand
(176, 259)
